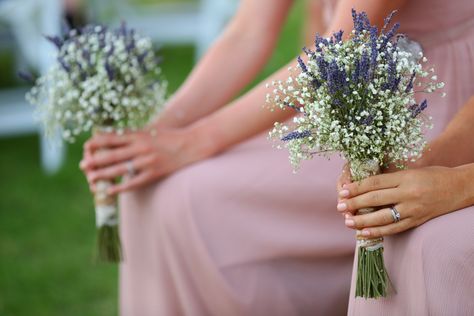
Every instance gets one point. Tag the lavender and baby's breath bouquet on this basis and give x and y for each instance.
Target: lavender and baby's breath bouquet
(357, 98)
(103, 80)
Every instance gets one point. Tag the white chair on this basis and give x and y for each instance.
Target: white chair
(29, 21)
(198, 22)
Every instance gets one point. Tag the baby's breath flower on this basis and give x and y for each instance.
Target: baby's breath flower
(102, 78)
(357, 98)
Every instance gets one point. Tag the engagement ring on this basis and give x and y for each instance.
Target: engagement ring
(130, 168)
(395, 214)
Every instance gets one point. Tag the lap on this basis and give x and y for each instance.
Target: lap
(431, 268)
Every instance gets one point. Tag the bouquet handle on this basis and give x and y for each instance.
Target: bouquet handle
(372, 279)
(108, 240)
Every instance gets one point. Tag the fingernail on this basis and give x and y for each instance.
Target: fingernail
(365, 233)
(347, 215)
(349, 222)
(342, 207)
(345, 186)
(344, 193)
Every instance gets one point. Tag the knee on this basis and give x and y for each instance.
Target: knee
(445, 240)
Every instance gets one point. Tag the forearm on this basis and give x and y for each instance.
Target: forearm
(230, 64)
(465, 176)
(247, 116)
(455, 146)
(244, 118)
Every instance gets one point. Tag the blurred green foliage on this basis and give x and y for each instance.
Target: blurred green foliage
(47, 229)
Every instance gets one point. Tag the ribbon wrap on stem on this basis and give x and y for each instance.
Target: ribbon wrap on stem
(372, 279)
(106, 214)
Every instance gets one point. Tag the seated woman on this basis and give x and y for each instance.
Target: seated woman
(431, 267)
(213, 220)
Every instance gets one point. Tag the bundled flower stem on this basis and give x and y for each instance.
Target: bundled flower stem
(106, 219)
(357, 98)
(105, 80)
(372, 279)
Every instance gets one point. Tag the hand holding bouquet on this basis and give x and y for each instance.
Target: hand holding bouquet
(357, 98)
(106, 81)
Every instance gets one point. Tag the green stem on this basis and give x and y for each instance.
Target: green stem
(108, 244)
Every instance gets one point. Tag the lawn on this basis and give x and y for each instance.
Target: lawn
(47, 233)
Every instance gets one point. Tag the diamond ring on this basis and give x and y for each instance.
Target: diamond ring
(395, 214)
(130, 168)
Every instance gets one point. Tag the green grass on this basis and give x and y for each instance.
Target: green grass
(47, 229)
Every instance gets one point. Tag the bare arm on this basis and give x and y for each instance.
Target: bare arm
(231, 63)
(247, 117)
(208, 87)
(455, 146)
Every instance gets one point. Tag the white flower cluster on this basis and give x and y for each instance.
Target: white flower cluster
(103, 78)
(357, 98)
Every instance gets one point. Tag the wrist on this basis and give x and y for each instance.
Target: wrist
(465, 174)
(203, 138)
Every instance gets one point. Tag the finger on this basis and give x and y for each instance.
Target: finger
(107, 140)
(344, 178)
(378, 182)
(386, 230)
(370, 199)
(133, 182)
(378, 218)
(121, 169)
(105, 158)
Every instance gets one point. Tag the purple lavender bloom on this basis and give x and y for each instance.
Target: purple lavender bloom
(368, 120)
(123, 29)
(417, 109)
(27, 77)
(64, 65)
(410, 83)
(315, 83)
(336, 79)
(110, 71)
(423, 105)
(302, 65)
(141, 57)
(296, 135)
(322, 67)
(361, 21)
(130, 46)
(338, 36)
(364, 67)
(292, 106)
(389, 35)
(373, 46)
(56, 40)
(388, 19)
(320, 40)
(392, 79)
(307, 51)
(356, 73)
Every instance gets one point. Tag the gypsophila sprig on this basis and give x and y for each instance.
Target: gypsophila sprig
(107, 78)
(356, 97)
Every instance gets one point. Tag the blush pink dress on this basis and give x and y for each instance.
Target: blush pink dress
(432, 266)
(240, 234)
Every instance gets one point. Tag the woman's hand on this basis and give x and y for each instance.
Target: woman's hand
(418, 195)
(150, 154)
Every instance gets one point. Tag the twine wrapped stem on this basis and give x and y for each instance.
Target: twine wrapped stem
(372, 278)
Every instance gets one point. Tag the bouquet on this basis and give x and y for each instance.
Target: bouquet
(103, 80)
(357, 98)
